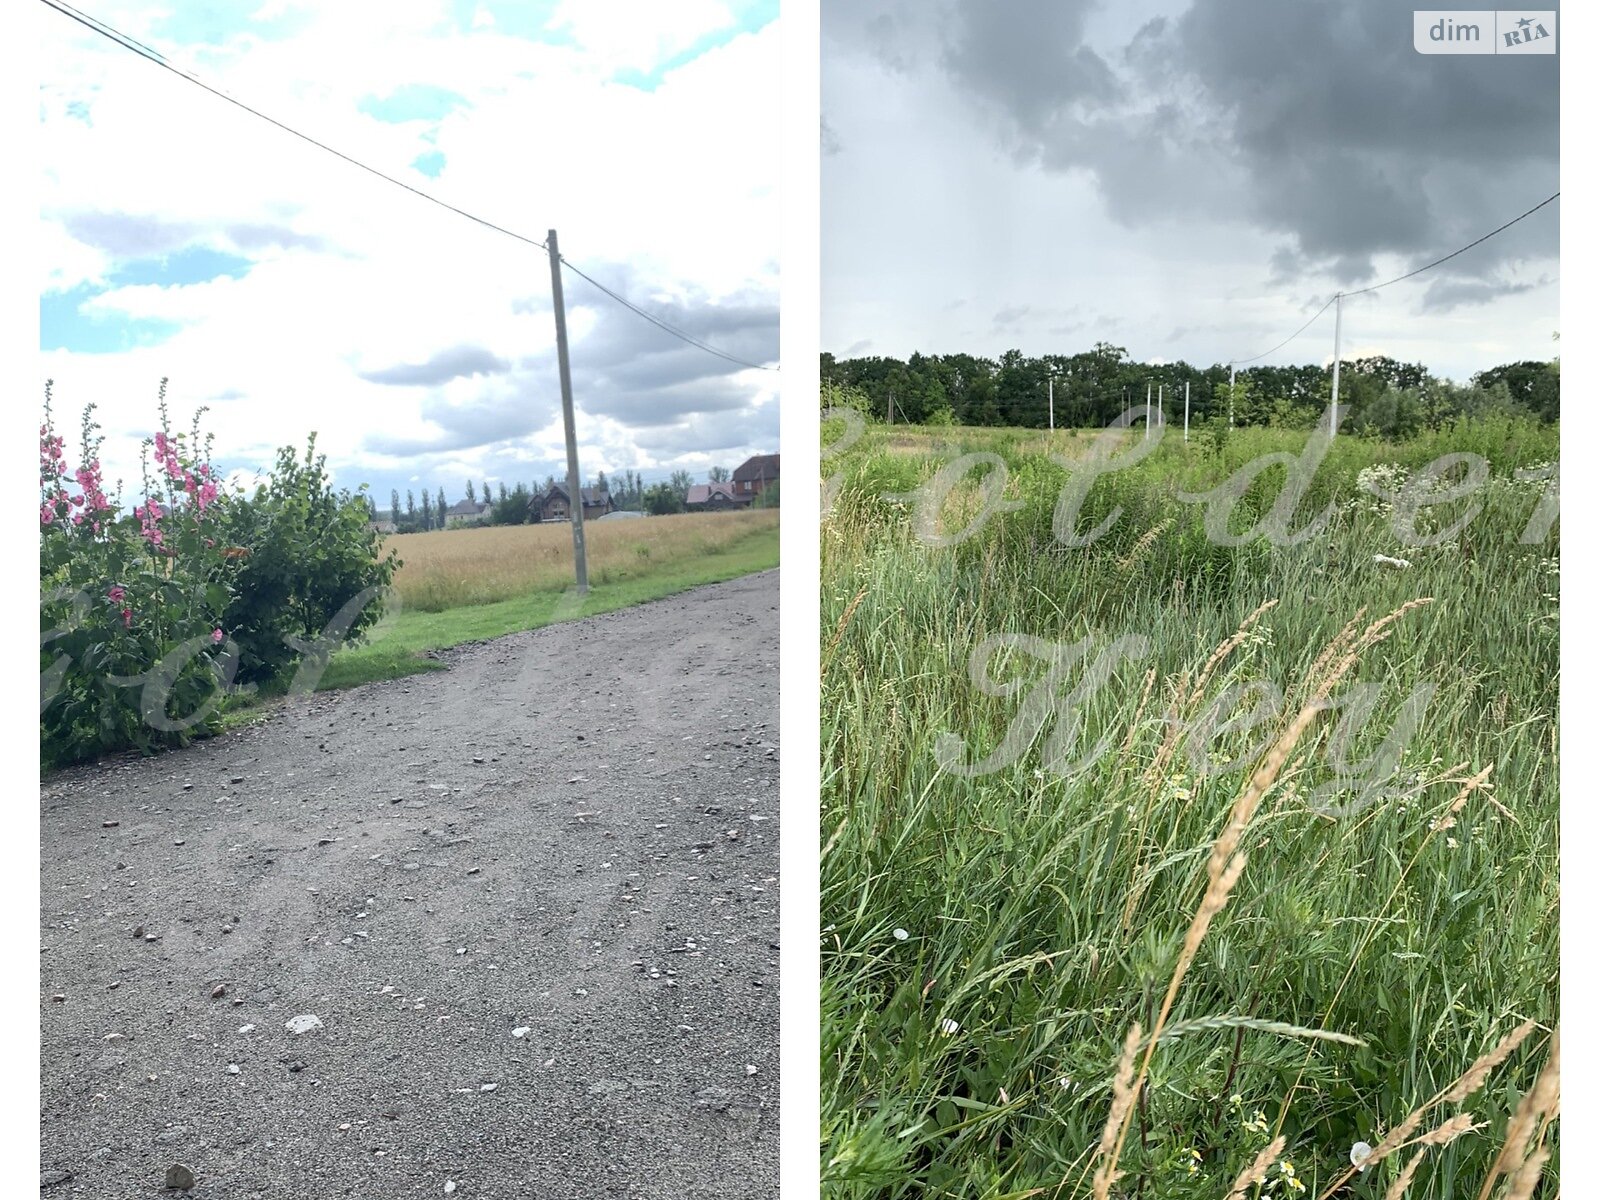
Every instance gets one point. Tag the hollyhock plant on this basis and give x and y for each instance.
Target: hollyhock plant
(163, 583)
(150, 612)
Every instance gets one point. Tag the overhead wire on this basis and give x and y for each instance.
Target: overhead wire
(1397, 279)
(111, 33)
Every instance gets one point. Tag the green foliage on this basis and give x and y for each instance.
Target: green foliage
(1091, 388)
(131, 653)
(663, 498)
(309, 554)
(149, 621)
(511, 508)
(989, 937)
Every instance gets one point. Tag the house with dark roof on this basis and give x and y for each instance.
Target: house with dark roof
(754, 476)
(466, 512)
(554, 504)
(714, 497)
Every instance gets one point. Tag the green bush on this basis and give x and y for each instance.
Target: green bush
(301, 554)
(148, 619)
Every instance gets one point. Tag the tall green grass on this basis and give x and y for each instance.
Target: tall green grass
(990, 938)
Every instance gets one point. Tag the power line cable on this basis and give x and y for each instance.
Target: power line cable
(1398, 278)
(677, 333)
(128, 38)
(115, 35)
(121, 39)
(1463, 249)
(1287, 340)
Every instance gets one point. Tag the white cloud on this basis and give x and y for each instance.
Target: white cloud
(638, 34)
(349, 273)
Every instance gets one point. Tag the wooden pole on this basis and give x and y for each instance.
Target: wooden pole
(574, 487)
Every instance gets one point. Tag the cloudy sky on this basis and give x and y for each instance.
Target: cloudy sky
(292, 292)
(1189, 179)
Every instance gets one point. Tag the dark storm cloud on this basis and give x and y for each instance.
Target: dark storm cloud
(1317, 123)
(897, 33)
(454, 363)
(1029, 58)
(1446, 294)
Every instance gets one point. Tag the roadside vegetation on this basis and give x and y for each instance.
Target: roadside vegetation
(182, 608)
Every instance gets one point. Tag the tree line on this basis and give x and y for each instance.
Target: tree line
(512, 505)
(1092, 388)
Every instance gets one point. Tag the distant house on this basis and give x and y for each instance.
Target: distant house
(466, 512)
(381, 526)
(714, 497)
(754, 476)
(553, 504)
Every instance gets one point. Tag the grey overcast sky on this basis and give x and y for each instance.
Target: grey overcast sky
(1190, 180)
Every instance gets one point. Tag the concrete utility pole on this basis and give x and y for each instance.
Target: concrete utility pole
(574, 488)
(1338, 331)
(1147, 389)
(1185, 410)
(1230, 395)
(1161, 404)
(1052, 400)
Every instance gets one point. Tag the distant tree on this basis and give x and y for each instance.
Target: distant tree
(1534, 385)
(472, 496)
(427, 510)
(512, 507)
(440, 508)
(488, 496)
(394, 507)
(718, 475)
(663, 498)
(502, 494)
(411, 506)
(681, 482)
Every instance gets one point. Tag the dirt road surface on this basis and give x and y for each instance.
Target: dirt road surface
(531, 901)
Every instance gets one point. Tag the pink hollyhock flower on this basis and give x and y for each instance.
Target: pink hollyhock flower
(115, 593)
(127, 618)
(47, 515)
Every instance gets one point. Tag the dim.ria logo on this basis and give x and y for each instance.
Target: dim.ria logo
(1485, 31)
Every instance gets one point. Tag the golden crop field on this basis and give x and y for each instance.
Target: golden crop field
(450, 568)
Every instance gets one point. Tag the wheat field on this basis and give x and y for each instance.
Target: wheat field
(452, 568)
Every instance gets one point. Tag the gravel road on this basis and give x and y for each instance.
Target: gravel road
(532, 901)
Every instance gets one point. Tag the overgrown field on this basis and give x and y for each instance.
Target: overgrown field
(460, 567)
(1297, 824)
